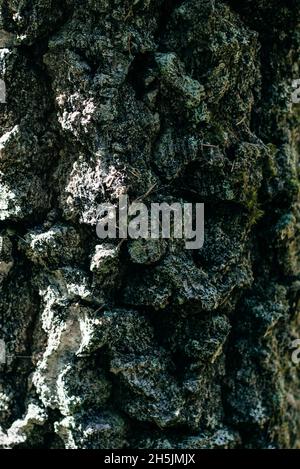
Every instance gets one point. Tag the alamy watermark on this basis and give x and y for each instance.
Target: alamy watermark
(162, 220)
(296, 92)
(296, 352)
(2, 92)
(5, 358)
(2, 352)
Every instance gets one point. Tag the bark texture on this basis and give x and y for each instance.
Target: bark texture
(145, 344)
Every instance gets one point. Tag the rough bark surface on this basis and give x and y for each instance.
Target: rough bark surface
(145, 344)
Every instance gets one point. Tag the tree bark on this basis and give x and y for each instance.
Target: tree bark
(143, 343)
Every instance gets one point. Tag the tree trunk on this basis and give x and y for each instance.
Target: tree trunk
(143, 343)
